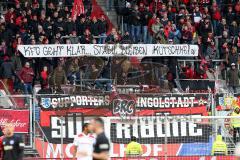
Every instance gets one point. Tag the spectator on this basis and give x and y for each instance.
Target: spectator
(73, 38)
(7, 71)
(232, 57)
(94, 26)
(127, 38)
(135, 24)
(113, 37)
(70, 26)
(104, 82)
(187, 36)
(222, 27)
(94, 72)
(59, 78)
(233, 78)
(87, 38)
(233, 29)
(224, 45)
(126, 12)
(175, 34)
(156, 27)
(236, 41)
(81, 26)
(230, 15)
(44, 78)
(102, 28)
(216, 16)
(211, 52)
(146, 15)
(189, 71)
(26, 76)
(74, 71)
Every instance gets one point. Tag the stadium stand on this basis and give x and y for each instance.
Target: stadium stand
(212, 77)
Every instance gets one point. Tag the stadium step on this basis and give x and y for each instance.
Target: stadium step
(112, 15)
(30, 152)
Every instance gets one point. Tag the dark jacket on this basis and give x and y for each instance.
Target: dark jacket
(233, 77)
(7, 69)
(81, 27)
(145, 17)
(102, 26)
(135, 18)
(70, 26)
(94, 28)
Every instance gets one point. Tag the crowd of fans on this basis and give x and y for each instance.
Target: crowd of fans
(213, 25)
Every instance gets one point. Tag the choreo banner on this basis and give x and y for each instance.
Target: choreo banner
(109, 50)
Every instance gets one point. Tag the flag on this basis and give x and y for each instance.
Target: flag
(78, 8)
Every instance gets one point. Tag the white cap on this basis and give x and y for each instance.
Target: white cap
(233, 64)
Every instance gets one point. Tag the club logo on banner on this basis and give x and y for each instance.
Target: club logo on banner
(123, 106)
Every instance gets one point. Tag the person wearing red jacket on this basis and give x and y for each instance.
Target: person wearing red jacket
(216, 16)
(26, 76)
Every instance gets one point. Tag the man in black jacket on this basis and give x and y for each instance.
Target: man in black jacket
(81, 25)
(102, 29)
(94, 26)
(136, 25)
(126, 12)
(7, 70)
(146, 15)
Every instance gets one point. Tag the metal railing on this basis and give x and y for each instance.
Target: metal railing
(7, 91)
(43, 138)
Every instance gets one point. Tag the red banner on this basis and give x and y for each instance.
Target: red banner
(19, 118)
(118, 150)
(150, 152)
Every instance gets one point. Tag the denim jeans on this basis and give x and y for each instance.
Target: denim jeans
(27, 88)
(102, 38)
(110, 4)
(146, 35)
(215, 25)
(126, 28)
(135, 32)
(104, 84)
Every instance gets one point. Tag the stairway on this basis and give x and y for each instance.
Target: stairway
(112, 15)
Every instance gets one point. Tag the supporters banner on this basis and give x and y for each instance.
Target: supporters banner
(149, 127)
(19, 118)
(108, 50)
(56, 102)
(124, 103)
(150, 132)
